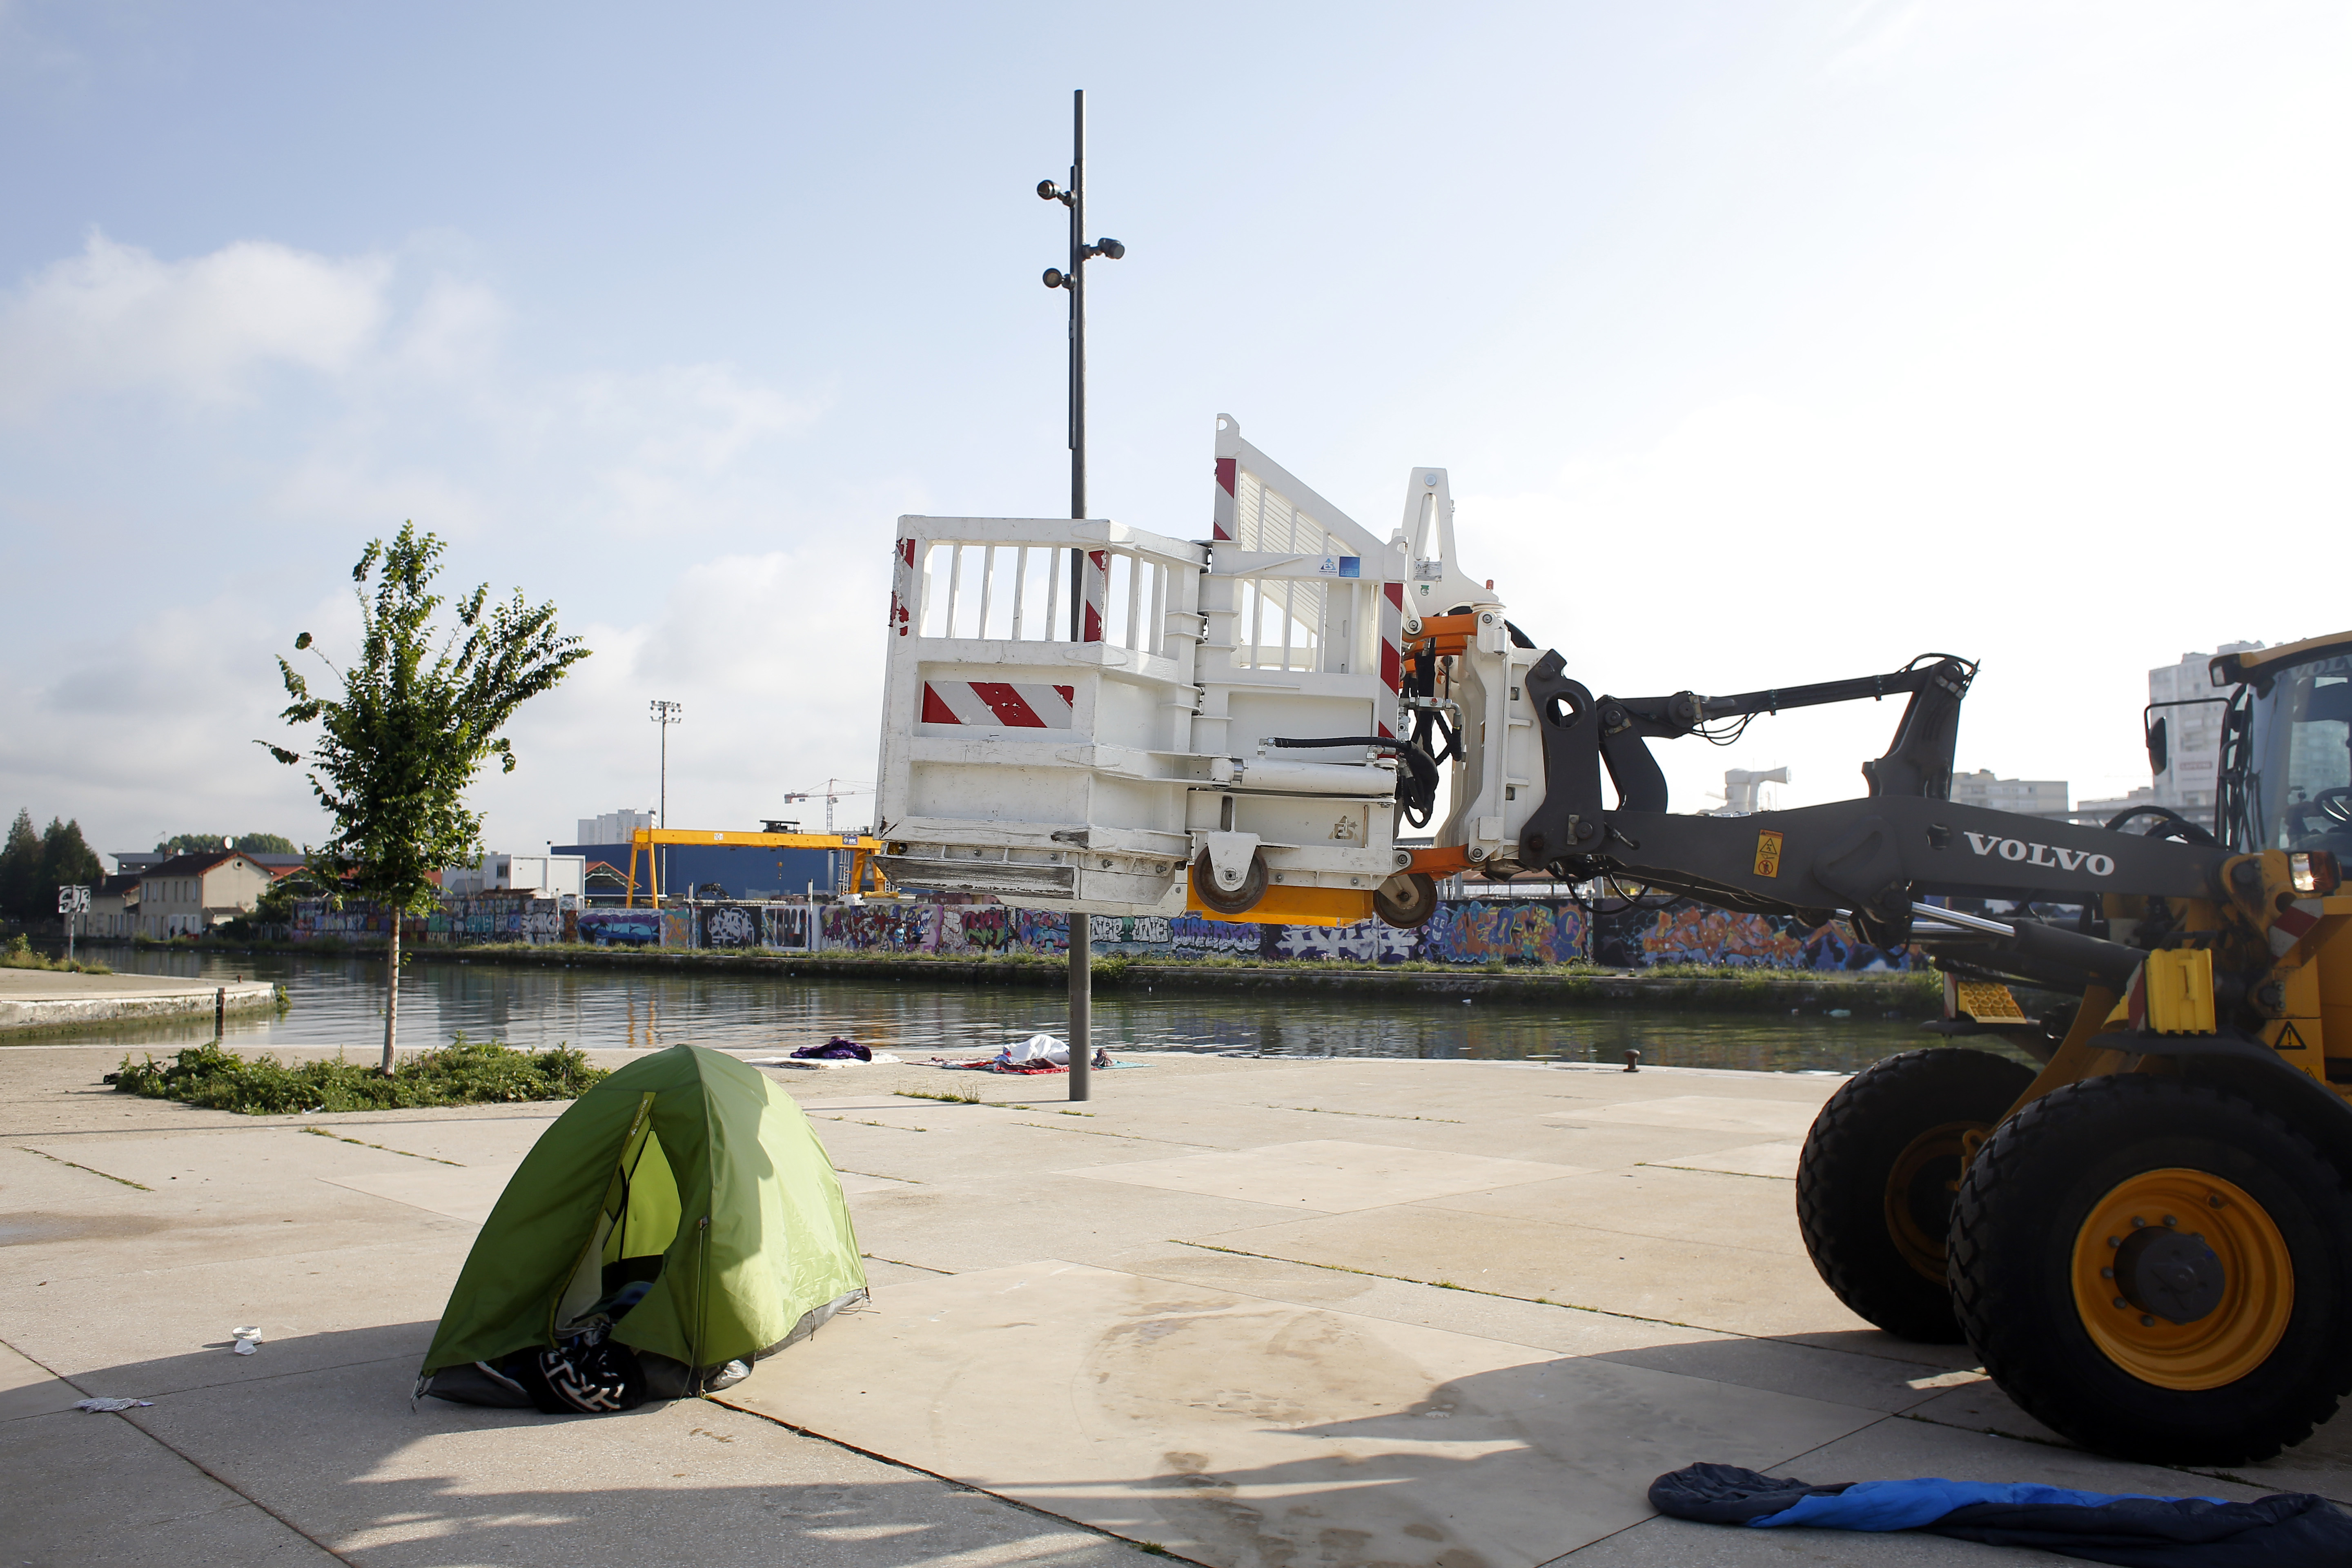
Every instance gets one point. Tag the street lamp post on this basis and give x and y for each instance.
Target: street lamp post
(666, 714)
(1081, 945)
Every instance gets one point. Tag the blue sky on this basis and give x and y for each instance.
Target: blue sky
(1764, 343)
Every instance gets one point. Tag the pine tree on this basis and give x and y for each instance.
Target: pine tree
(20, 868)
(67, 860)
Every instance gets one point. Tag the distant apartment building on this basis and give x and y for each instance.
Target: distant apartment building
(2099, 813)
(2192, 731)
(189, 894)
(2032, 797)
(614, 827)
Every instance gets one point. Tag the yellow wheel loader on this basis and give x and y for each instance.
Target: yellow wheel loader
(2148, 1241)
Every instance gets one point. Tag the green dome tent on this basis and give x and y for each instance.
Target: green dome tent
(685, 1203)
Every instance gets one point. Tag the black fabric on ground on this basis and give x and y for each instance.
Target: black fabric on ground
(1725, 1494)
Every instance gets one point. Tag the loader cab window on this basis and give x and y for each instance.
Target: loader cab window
(2303, 755)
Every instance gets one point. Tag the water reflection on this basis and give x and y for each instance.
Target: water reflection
(339, 1002)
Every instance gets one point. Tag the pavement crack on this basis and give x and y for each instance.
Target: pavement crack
(91, 1169)
(1378, 1115)
(322, 1132)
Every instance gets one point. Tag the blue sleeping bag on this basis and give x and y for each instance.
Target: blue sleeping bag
(2292, 1529)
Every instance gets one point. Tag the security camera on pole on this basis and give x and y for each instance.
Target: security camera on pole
(1075, 280)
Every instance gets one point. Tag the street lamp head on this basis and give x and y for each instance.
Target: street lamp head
(1056, 279)
(1109, 248)
(1048, 191)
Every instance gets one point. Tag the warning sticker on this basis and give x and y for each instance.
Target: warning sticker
(1767, 853)
(2290, 1039)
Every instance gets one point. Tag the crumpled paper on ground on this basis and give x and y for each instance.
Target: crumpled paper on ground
(96, 1406)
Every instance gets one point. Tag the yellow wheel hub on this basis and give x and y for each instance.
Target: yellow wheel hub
(2182, 1279)
(1919, 1188)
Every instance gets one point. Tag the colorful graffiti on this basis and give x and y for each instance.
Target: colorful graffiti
(622, 928)
(1471, 931)
(1514, 932)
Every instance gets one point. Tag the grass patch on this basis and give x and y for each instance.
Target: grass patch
(464, 1072)
(19, 955)
(954, 1096)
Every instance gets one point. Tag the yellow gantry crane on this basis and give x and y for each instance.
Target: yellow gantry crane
(865, 877)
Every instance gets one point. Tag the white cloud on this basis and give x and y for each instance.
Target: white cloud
(116, 318)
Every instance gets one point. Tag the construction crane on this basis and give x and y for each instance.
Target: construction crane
(834, 790)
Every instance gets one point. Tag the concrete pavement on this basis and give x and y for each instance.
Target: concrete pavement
(1253, 1313)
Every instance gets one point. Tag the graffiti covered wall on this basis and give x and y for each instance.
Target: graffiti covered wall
(1463, 932)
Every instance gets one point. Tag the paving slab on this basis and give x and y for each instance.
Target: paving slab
(388, 1485)
(28, 1388)
(1242, 1431)
(94, 1488)
(1710, 1112)
(1328, 1175)
(1776, 1160)
(1738, 1288)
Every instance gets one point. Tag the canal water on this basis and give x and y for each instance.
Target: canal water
(339, 1002)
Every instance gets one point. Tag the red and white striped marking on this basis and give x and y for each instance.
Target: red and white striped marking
(1392, 649)
(2291, 925)
(998, 704)
(902, 587)
(1098, 584)
(1229, 481)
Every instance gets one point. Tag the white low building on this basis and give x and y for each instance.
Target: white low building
(550, 874)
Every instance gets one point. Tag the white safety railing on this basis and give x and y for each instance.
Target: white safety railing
(1020, 593)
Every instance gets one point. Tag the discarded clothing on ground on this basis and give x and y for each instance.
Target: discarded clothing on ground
(1039, 1053)
(2291, 1529)
(834, 1050)
(677, 1223)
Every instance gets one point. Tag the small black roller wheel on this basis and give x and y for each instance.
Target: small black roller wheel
(1406, 899)
(1234, 900)
(2157, 1270)
(1876, 1181)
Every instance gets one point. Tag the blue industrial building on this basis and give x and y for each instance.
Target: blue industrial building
(748, 871)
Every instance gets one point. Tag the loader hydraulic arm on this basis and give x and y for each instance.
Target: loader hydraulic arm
(1582, 734)
(1872, 857)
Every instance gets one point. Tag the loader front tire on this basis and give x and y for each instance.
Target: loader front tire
(1876, 1181)
(2157, 1270)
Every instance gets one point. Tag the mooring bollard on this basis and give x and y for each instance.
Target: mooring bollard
(1633, 1061)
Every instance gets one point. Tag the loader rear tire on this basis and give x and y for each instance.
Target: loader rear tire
(2158, 1270)
(1874, 1184)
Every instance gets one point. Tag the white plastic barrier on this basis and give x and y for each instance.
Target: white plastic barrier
(1086, 762)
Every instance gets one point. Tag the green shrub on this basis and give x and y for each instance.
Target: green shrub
(465, 1072)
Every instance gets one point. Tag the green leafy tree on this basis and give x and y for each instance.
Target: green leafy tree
(420, 713)
(266, 844)
(67, 860)
(251, 843)
(20, 868)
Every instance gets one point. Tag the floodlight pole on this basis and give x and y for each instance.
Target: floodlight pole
(665, 714)
(1081, 944)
